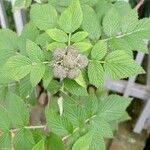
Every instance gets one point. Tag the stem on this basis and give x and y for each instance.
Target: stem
(35, 127)
(139, 4)
(69, 39)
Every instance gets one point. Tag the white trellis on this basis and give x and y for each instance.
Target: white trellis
(127, 88)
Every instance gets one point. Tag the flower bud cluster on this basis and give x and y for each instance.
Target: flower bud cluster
(68, 62)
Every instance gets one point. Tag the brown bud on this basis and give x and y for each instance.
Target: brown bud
(73, 73)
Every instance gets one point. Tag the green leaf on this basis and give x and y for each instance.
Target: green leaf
(58, 124)
(119, 64)
(8, 39)
(80, 80)
(39, 146)
(112, 107)
(20, 4)
(37, 73)
(96, 73)
(44, 16)
(17, 109)
(74, 88)
(34, 51)
(83, 46)
(99, 50)
(18, 66)
(57, 35)
(25, 87)
(89, 142)
(43, 39)
(48, 76)
(71, 19)
(54, 142)
(91, 23)
(23, 140)
(111, 22)
(5, 141)
(54, 45)
(79, 36)
(5, 122)
(29, 32)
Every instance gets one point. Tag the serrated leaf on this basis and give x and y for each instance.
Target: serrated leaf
(17, 109)
(23, 140)
(91, 23)
(80, 80)
(57, 35)
(39, 146)
(89, 142)
(112, 107)
(44, 16)
(79, 36)
(71, 19)
(48, 75)
(34, 51)
(29, 32)
(54, 142)
(96, 73)
(119, 64)
(74, 88)
(111, 22)
(18, 67)
(54, 45)
(99, 50)
(83, 46)
(8, 39)
(37, 73)
(58, 124)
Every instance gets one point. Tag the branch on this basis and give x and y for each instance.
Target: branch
(139, 4)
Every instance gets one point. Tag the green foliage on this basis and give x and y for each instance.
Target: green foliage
(76, 116)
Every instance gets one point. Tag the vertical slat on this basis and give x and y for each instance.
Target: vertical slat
(139, 59)
(143, 117)
(3, 18)
(19, 19)
(148, 68)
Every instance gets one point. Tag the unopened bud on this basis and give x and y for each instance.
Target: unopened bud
(73, 73)
(72, 50)
(83, 61)
(58, 54)
(59, 72)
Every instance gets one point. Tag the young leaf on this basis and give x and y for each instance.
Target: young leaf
(58, 124)
(44, 16)
(112, 107)
(37, 73)
(80, 80)
(119, 64)
(99, 50)
(91, 23)
(18, 66)
(111, 22)
(58, 35)
(23, 140)
(71, 19)
(54, 142)
(83, 46)
(79, 36)
(34, 51)
(74, 88)
(96, 73)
